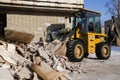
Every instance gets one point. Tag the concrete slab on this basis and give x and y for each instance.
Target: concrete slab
(5, 74)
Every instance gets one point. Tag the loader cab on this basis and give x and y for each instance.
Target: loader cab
(90, 21)
(93, 22)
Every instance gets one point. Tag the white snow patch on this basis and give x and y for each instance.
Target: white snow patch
(115, 50)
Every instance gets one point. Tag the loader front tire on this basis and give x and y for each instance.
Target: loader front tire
(86, 55)
(75, 50)
(103, 50)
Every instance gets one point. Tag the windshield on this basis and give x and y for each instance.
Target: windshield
(90, 21)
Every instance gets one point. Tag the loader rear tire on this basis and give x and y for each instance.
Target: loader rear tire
(75, 50)
(103, 51)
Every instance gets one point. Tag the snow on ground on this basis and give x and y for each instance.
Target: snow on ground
(95, 69)
(115, 50)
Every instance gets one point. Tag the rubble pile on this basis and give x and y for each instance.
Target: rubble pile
(35, 62)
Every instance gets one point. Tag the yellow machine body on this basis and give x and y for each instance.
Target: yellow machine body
(90, 40)
(86, 37)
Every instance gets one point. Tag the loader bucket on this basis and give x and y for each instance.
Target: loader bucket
(113, 32)
(60, 49)
(117, 41)
(117, 34)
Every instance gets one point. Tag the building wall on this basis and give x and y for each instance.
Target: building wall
(34, 16)
(35, 23)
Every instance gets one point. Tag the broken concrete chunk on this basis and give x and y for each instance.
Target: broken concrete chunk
(22, 52)
(20, 59)
(32, 47)
(24, 73)
(47, 65)
(20, 49)
(6, 56)
(59, 67)
(43, 54)
(11, 48)
(35, 76)
(2, 60)
(5, 66)
(3, 44)
(5, 74)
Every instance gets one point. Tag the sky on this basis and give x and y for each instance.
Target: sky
(99, 6)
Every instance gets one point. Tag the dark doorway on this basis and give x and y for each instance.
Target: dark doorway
(2, 25)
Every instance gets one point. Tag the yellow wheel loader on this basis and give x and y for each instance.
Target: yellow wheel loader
(86, 37)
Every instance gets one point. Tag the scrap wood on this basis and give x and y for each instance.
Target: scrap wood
(46, 72)
(18, 36)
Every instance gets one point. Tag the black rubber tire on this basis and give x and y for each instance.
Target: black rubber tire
(100, 53)
(71, 45)
(86, 55)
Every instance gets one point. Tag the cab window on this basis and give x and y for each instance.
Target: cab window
(97, 24)
(94, 24)
(91, 24)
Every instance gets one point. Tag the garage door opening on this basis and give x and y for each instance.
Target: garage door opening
(2, 25)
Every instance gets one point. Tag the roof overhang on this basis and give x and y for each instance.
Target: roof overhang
(40, 6)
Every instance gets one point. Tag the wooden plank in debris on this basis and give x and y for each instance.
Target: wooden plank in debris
(46, 72)
(18, 36)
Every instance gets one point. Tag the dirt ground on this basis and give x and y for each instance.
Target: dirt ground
(94, 69)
